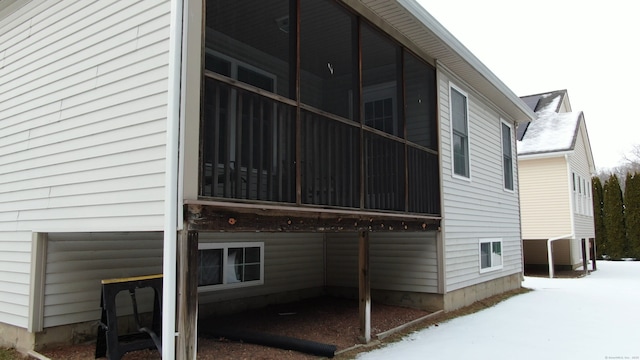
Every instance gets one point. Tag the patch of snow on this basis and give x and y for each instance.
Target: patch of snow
(550, 131)
(594, 317)
(552, 105)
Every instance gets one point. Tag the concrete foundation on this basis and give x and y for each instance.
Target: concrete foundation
(414, 300)
(16, 337)
(255, 302)
(466, 296)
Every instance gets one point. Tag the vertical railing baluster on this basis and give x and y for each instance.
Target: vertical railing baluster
(237, 192)
(215, 143)
(227, 144)
(249, 148)
(262, 151)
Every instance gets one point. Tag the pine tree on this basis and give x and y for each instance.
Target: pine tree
(598, 216)
(632, 214)
(613, 209)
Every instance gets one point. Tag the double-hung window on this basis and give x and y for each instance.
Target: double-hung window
(459, 132)
(507, 157)
(490, 254)
(230, 265)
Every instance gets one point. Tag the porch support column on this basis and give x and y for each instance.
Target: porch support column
(585, 260)
(550, 257)
(364, 286)
(187, 295)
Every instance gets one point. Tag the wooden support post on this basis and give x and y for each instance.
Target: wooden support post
(550, 257)
(594, 253)
(585, 261)
(187, 321)
(365, 287)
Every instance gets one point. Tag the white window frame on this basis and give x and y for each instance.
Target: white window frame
(235, 64)
(589, 197)
(382, 91)
(225, 255)
(490, 241)
(513, 176)
(452, 86)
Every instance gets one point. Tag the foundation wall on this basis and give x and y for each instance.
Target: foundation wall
(16, 337)
(423, 301)
(254, 302)
(470, 294)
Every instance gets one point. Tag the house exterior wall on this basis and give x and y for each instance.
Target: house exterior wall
(78, 262)
(584, 227)
(15, 269)
(545, 198)
(82, 126)
(292, 261)
(398, 261)
(478, 207)
(293, 269)
(83, 115)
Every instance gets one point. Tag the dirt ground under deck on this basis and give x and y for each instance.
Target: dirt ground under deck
(326, 320)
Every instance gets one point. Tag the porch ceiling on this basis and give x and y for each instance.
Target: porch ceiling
(413, 22)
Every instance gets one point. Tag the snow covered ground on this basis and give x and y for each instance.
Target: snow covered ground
(594, 317)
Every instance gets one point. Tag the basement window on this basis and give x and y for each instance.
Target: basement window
(490, 254)
(230, 265)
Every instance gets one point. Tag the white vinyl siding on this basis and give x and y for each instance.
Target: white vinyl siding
(545, 197)
(398, 261)
(479, 208)
(292, 261)
(78, 262)
(578, 160)
(15, 268)
(583, 205)
(83, 115)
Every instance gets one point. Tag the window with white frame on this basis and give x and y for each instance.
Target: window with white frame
(230, 265)
(459, 131)
(576, 190)
(589, 198)
(490, 254)
(582, 197)
(507, 156)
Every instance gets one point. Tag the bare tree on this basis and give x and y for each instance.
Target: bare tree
(632, 159)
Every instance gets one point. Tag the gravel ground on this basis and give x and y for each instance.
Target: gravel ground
(327, 320)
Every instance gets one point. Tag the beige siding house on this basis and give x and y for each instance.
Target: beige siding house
(284, 154)
(556, 166)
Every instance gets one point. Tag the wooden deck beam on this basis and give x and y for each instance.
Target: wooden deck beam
(244, 217)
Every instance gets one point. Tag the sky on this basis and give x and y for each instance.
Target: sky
(589, 48)
(594, 317)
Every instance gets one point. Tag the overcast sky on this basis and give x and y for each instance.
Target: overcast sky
(590, 48)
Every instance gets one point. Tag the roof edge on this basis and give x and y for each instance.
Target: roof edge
(457, 47)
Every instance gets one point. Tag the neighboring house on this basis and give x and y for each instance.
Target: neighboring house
(127, 129)
(556, 166)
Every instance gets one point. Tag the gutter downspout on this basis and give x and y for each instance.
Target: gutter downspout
(171, 183)
(550, 254)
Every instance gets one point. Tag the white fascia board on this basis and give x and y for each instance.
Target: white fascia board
(465, 55)
(545, 155)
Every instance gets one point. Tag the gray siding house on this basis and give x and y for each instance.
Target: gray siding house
(136, 133)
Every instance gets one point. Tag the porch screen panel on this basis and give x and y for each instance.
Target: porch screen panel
(328, 60)
(420, 102)
(384, 170)
(248, 145)
(330, 166)
(381, 93)
(256, 38)
(423, 181)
